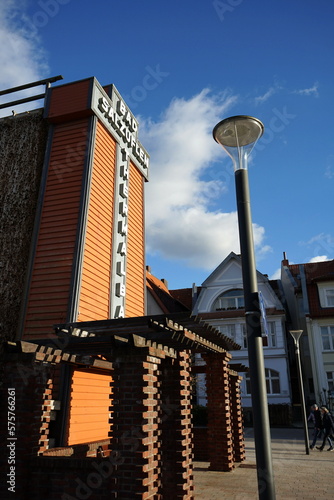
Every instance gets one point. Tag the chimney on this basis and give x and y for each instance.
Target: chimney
(165, 282)
(285, 261)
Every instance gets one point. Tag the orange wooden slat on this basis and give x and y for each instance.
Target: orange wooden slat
(89, 406)
(98, 246)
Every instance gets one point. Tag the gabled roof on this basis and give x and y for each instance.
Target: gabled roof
(184, 295)
(224, 264)
(319, 271)
(167, 302)
(218, 270)
(314, 271)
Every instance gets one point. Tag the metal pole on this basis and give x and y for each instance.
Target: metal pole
(301, 394)
(266, 486)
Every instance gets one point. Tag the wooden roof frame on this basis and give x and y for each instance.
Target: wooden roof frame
(176, 331)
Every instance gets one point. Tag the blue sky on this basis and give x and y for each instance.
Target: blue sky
(182, 66)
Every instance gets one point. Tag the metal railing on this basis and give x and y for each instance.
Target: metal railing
(47, 82)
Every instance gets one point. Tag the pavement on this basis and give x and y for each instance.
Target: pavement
(296, 474)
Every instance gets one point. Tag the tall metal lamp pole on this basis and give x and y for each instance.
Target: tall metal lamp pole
(296, 334)
(238, 135)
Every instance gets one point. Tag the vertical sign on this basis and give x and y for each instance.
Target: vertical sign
(123, 126)
(118, 282)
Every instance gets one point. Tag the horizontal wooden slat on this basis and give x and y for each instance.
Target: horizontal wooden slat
(52, 272)
(95, 282)
(89, 406)
(135, 282)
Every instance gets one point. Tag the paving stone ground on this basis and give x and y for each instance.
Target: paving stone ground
(296, 475)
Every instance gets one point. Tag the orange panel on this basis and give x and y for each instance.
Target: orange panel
(135, 274)
(95, 282)
(52, 270)
(89, 407)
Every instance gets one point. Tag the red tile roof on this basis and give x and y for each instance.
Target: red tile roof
(184, 295)
(166, 301)
(315, 272)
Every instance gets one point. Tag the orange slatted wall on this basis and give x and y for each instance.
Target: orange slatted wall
(89, 407)
(135, 275)
(95, 283)
(51, 276)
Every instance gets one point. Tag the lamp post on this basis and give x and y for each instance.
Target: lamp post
(238, 135)
(296, 334)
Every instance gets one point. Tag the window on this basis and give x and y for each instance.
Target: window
(228, 330)
(330, 380)
(329, 297)
(326, 294)
(271, 334)
(327, 337)
(233, 299)
(272, 382)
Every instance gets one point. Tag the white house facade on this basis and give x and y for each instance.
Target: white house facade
(220, 302)
(309, 291)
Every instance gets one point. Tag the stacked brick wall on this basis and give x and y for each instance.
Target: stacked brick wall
(177, 437)
(25, 424)
(236, 418)
(135, 417)
(219, 412)
(149, 451)
(59, 478)
(151, 426)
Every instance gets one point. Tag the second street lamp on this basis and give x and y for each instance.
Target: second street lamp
(238, 135)
(296, 334)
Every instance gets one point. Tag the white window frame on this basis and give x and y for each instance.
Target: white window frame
(327, 332)
(326, 294)
(228, 329)
(227, 301)
(271, 376)
(272, 337)
(330, 381)
(329, 297)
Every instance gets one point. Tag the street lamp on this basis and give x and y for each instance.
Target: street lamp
(296, 334)
(238, 135)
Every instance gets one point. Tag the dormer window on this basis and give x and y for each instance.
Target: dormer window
(326, 294)
(233, 299)
(329, 297)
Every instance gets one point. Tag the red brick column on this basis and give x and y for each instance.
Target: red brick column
(135, 425)
(236, 417)
(26, 396)
(177, 437)
(219, 412)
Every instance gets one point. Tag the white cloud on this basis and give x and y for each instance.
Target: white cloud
(309, 91)
(322, 245)
(329, 172)
(319, 258)
(263, 98)
(22, 59)
(276, 275)
(179, 221)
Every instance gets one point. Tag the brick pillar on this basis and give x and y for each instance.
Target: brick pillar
(236, 417)
(135, 430)
(219, 412)
(177, 437)
(25, 404)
